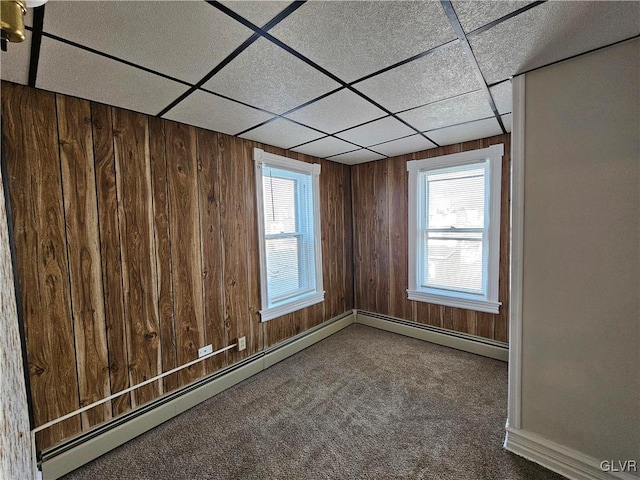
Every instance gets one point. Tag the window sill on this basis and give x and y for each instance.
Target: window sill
(480, 305)
(291, 306)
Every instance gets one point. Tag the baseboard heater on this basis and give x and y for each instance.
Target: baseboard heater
(441, 336)
(88, 446)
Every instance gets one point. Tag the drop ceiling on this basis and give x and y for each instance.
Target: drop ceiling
(351, 81)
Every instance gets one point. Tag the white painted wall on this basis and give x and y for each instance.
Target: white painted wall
(581, 254)
(15, 458)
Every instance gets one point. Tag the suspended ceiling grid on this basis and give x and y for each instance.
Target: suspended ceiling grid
(351, 81)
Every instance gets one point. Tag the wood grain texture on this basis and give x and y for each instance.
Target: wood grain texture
(362, 190)
(234, 240)
(167, 229)
(380, 192)
(399, 305)
(209, 198)
(85, 267)
(135, 213)
(347, 261)
(163, 252)
(186, 256)
(110, 255)
(29, 126)
(253, 259)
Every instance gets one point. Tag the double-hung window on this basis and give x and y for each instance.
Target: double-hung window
(454, 229)
(288, 200)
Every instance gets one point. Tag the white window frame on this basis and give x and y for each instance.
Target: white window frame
(305, 299)
(487, 302)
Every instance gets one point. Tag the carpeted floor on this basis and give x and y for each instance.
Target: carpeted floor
(363, 403)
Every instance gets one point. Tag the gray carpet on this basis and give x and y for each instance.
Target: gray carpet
(363, 403)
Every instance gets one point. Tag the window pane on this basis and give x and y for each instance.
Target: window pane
(456, 199)
(283, 272)
(289, 237)
(279, 204)
(452, 260)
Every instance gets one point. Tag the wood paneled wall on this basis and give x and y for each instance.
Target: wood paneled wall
(136, 244)
(380, 195)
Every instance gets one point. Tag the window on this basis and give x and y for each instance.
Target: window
(454, 229)
(288, 195)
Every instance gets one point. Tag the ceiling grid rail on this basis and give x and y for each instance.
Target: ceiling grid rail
(457, 28)
(422, 122)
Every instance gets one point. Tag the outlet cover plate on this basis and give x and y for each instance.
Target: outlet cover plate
(205, 351)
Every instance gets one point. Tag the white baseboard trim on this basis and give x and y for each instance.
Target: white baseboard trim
(93, 447)
(455, 340)
(566, 461)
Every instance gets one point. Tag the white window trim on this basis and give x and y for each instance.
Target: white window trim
(261, 158)
(490, 303)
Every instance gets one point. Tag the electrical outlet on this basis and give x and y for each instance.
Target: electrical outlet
(205, 351)
(242, 343)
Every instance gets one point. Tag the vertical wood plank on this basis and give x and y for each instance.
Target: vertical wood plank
(184, 221)
(464, 320)
(381, 237)
(329, 225)
(110, 255)
(447, 317)
(135, 214)
(399, 305)
(423, 311)
(35, 189)
(163, 248)
(364, 241)
(347, 267)
(486, 325)
(253, 260)
(85, 269)
(436, 315)
(502, 319)
(356, 188)
(209, 198)
(234, 239)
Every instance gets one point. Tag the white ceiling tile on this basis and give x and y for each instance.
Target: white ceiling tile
(357, 156)
(185, 40)
(324, 147)
(257, 12)
(463, 108)
(474, 14)
(266, 76)
(73, 71)
(551, 32)
(338, 111)
(209, 111)
(353, 39)
(282, 133)
(14, 63)
(466, 132)
(414, 143)
(387, 128)
(439, 75)
(506, 121)
(502, 96)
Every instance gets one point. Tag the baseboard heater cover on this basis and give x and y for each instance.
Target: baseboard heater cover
(87, 447)
(440, 336)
